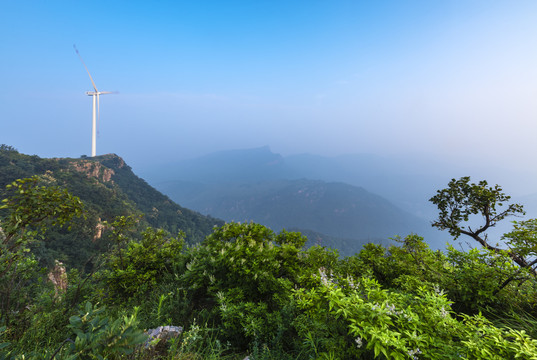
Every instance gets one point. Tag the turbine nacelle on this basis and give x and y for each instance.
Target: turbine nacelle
(91, 93)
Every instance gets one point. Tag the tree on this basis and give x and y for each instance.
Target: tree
(30, 208)
(4, 147)
(522, 240)
(462, 199)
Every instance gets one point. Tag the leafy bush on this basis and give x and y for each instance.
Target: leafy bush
(473, 280)
(242, 276)
(97, 336)
(379, 323)
(136, 268)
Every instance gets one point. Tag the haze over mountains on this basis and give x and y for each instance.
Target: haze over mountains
(341, 202)
(330, 196)
(389, 194)
(407, 181)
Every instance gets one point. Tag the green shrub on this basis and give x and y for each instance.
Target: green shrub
(98, 336)
(373, 322)
(137, 268)
(241, 276)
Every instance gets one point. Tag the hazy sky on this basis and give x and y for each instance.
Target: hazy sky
(449, 79)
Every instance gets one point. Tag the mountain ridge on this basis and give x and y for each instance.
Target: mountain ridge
(261, 186)
(108, 188)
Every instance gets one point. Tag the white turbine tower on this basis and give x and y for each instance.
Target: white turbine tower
(95, 94)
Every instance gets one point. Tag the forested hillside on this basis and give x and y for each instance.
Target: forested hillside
(108, 188)
(336, 209)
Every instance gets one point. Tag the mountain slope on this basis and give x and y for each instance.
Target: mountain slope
(108, 188)
(257, 184)
(337, 210)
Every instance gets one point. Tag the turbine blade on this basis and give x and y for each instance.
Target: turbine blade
(83, 63)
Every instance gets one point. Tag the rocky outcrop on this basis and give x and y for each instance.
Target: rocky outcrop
(58, 277)
(94, 169)
(99, 228)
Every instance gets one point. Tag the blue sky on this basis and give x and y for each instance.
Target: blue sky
(454, 80)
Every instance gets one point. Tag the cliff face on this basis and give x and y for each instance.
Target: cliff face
(93, 169)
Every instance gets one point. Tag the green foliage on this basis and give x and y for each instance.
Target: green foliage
(199, 343)
(242, 275)
(43, 325)
(4, 346)
(515, 318)
(482, 340)
(31, 208)
(7, 148)
(379, 323)
(96, 336)
(31, 204)
(473, 280)
(461, 199)
(481, 277)
(99, 337)
(135, 267)
(522, 240)
(261, 293)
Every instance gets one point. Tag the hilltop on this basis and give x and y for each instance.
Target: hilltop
(108, 188)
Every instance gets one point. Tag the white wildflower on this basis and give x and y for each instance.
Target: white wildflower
(413, 353)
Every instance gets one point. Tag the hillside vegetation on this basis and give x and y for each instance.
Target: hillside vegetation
(248, 291)
(108, 188)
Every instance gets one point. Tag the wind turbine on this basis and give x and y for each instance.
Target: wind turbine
(95, 94)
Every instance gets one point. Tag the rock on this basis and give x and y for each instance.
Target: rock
(163, 334)
(58, 277)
